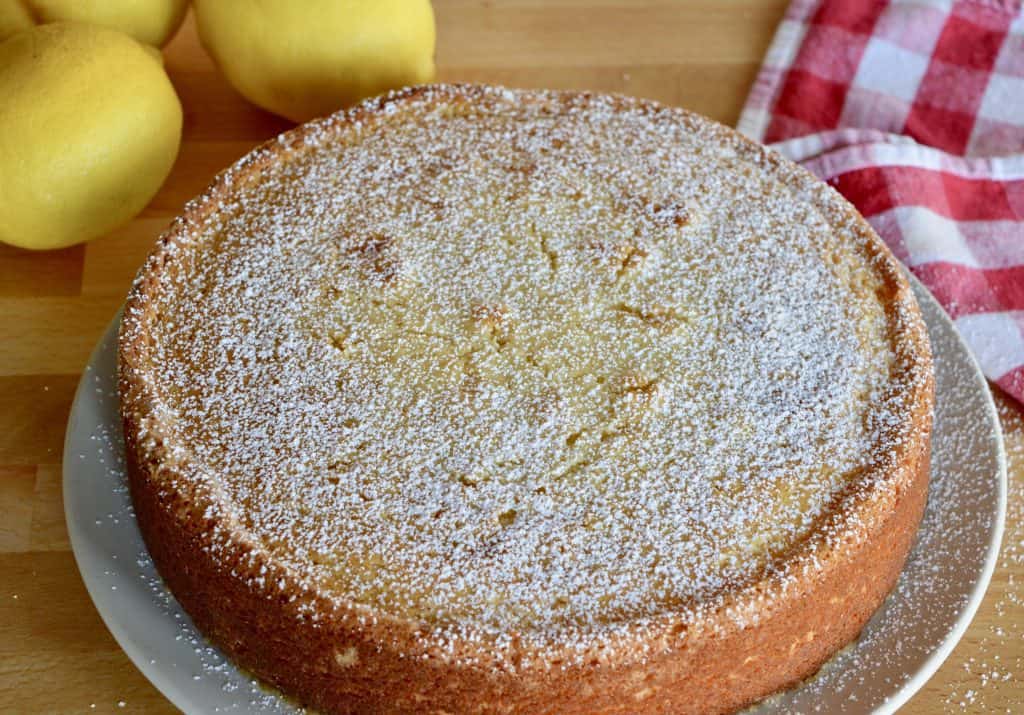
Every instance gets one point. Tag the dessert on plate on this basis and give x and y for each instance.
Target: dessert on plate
(476, 400)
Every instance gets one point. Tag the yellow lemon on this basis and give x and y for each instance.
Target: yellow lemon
(305, 59)
(89, 128)
(150, 21)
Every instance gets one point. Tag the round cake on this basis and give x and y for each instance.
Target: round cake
(475, 400)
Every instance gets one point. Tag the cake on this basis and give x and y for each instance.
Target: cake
(477, 400)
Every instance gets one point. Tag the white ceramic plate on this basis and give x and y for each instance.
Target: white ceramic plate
(900, 648)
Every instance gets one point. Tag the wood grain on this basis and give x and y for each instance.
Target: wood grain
(55, 654)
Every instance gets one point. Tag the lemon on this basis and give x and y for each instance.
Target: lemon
(305, 59)
(89, 128)
(149, 21)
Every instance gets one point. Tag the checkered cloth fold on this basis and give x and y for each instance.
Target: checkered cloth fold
(914, 110)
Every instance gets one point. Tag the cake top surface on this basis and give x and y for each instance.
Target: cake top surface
(523, 365)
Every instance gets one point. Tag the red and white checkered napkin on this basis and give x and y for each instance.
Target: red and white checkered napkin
(914, 110)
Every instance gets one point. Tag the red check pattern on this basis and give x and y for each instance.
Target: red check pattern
(914, 110)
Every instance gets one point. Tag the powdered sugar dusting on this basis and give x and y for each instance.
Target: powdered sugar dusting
(531, 365)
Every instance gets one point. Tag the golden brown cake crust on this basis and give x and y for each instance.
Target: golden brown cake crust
(756, 640)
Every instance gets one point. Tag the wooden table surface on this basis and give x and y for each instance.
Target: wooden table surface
(55, 654)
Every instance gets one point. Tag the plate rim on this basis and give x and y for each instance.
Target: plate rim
(76, 538)
(970, 610)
